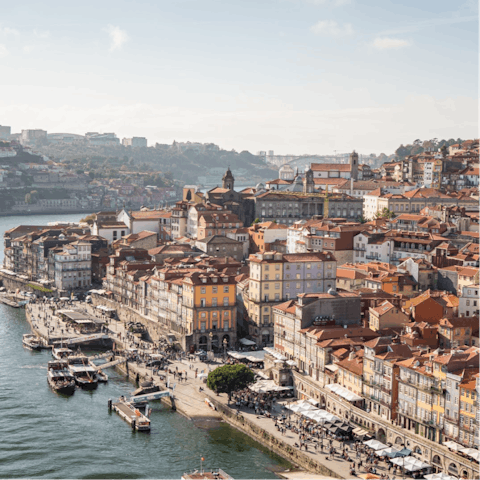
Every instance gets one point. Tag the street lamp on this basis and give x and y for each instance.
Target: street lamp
(225, 343)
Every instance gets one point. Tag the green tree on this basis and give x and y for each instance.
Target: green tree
(229, 378)
(385, 213)
(401, 151)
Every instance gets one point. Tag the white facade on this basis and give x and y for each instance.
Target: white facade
(370, 206)
(110, 232)
(73, 266)
(469, 301)
(364, 252)
(134, 142)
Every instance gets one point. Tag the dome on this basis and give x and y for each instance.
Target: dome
(286, 168)
(298, 179)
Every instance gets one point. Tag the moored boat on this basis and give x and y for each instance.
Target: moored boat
(84, 374)
(59, 377)
(32, 342)
(213, 474)
(61, 353)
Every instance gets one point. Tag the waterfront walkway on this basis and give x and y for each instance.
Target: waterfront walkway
(189, 400)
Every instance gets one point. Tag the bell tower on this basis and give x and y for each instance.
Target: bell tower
(354, 165)
(228, 180)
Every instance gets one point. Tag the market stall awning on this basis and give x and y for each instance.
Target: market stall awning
(453, 446)
(275, 354)
(265, 386)
(375, 444)
(471, 452)
(439, 476)
(343, 392)
(246, 341)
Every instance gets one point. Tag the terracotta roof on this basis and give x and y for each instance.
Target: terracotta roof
(383, 308)
(325, 167)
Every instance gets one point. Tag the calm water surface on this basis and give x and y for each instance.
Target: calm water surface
(44, 435)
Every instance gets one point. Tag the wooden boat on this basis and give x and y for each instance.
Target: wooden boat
(59, 377)
(213, 474)
(32, 342)
(61, 353)
(102, 376)
(84, 374)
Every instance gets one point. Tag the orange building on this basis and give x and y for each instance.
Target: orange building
(424, 308)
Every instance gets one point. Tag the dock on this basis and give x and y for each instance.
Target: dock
(8, 301)
(131, 415)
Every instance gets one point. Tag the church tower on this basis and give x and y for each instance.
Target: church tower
(308, 183)
(228, 180)
(354, 165)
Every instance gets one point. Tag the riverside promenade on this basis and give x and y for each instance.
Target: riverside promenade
(188, 399)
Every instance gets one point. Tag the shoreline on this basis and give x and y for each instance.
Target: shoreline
(187, 400)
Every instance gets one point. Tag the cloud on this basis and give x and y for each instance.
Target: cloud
(40, 34)
(3, 51)
(9, 31)
(117, 37)
(388, 43)
(332, 29)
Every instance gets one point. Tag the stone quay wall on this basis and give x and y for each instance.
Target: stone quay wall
(14, 283)
(432, 453)
(270, 441)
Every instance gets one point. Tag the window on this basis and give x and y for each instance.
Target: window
(214, 302)
(203, 290)
(309, 266)
(298, 286)
(203, 326)
(214, 325)
(225, 301)
(214, 289)
(203, 302)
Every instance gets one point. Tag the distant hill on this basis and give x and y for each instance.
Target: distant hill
(185, 165)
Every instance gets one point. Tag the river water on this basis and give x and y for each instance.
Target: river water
(44, 435)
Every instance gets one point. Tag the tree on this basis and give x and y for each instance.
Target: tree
(229, 378)
(385, 213)
(401, 151)
(257, 220)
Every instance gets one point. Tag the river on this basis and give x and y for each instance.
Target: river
(44, 435)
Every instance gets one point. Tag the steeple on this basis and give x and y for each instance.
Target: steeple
(353, 160)
(308, 183)
(228, 180)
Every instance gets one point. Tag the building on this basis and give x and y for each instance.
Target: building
(288, 207)
(337, 170)
(264, 235)
(220, 246)
(73, 266)
(134, 142)
(33, 137)
(276, 277)
(469, 301)
(5, 132)
(380, 376)
(457, 331)
(216, 223)
(387, 315)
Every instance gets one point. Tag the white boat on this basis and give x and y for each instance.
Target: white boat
(213, 474)
(32, 342)
(61, 353)
(85, 375)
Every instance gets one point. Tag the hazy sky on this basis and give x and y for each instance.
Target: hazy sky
(294, 76)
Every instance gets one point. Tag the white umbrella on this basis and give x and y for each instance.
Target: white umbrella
(439, 476)
(453, 446)
(387, 452)
(375, 444)
(471, 452)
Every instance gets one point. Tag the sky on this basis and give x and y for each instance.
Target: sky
(293, 76)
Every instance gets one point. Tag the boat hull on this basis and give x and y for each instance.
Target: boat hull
(32, 346)
(86, 384)
(65, 389)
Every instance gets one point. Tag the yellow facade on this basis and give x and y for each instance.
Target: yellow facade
(468, 412)
(211, 303)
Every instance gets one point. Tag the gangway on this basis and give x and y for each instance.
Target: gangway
(86, 338)
(150, 396)
(117, 361)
